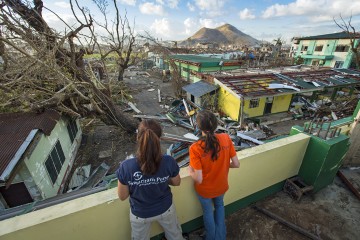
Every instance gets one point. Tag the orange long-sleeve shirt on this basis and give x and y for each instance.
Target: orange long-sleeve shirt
(215, 173)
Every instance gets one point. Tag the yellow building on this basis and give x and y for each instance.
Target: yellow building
(248, 96)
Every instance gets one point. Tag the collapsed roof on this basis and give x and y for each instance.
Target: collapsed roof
(272, 84)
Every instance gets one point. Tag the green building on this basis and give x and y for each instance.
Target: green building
(328, 50)
(190, 67)
(37, 151)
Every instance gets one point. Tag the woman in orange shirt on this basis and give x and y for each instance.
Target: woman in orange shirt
(210, 159)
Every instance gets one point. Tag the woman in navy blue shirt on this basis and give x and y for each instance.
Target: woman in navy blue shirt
(146, 179)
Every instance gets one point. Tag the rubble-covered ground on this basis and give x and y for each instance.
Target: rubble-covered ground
(332, 213)
(111, 145)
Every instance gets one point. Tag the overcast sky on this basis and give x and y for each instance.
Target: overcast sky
(262, 19)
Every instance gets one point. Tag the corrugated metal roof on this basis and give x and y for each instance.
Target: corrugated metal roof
(258, 85)
(204, 61)
(200, 88)
(339, 35)
(15, 128)
(348, 71)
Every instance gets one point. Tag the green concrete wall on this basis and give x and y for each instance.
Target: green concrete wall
(327, 63)
(357, 109)
(35, 163)
(262, 172)
(348, 59)
(350, 56)
(330, 47)
(322, 159)
(311, 47)
(214, 69)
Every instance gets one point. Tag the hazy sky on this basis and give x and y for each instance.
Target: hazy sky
(262, 19)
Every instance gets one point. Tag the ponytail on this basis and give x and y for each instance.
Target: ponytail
(207, 122)
(149, 151)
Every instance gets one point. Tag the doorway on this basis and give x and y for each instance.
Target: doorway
(268, 105)
(16, 195)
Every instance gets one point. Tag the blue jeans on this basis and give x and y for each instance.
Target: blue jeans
(214, 221)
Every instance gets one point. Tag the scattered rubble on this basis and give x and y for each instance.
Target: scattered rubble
(183, 113)
(252, 133)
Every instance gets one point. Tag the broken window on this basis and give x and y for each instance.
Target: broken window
(341, 48)
(304, 48)
(55, 161)
(319, 48)
(315, 62)
(338, 64)
(72, 129)
(254, 103)
(185, 69)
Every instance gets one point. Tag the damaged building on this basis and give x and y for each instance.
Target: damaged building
(189, 66)
(254, 95)
(36, 153)
(328, 50)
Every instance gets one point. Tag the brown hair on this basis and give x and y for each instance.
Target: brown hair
(148, 150)
(207, 122)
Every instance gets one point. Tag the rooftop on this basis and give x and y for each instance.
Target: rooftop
(199, 88)
(270, 84)
(339, 35)
(14, 131)
(204, 61)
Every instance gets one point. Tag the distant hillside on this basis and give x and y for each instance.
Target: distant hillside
(225, 34)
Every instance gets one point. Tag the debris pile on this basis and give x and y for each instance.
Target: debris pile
(183, 113)
(325, 108)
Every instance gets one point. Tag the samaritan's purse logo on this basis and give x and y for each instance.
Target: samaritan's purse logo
(137, 176)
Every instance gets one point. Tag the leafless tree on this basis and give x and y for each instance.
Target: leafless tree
(165, 52)
(45, 69)
(354, 36)
(120, 38)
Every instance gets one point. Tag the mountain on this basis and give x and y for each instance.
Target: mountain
(225, 34)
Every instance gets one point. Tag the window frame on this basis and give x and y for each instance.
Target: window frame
(254, 103)
(317, 48)
(72, 129)
(304, 48)
(55, 161)
(342, 48)
(339, 63)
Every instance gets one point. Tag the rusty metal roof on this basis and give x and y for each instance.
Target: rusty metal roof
(16, 127)
(257, 85)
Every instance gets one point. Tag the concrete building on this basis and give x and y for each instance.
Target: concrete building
(36, 154)
(202, 93)
(329, 50)
(248, 96)
(190, 65)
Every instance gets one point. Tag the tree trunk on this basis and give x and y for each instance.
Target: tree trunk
(121, 73)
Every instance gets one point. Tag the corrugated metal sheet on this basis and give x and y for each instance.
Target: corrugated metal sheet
(258, 85)
(79, 176)
(200, 88)
(339, 35)
(15, 127)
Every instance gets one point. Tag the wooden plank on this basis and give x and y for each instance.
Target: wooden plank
(151, 117)
(134, 107)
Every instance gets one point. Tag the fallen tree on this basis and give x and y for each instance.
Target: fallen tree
(43, 68)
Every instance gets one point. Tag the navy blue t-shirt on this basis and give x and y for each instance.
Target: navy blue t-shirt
(150, 195)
